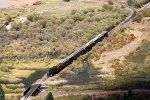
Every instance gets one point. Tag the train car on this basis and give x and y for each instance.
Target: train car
(77, 53)
(64, 62)
(34, 89)
(37, 91)
(26, 91)
(92, 43)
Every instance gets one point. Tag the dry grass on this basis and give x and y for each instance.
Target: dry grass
(59, 7)
(22, 73)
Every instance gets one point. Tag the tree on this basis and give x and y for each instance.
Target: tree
(130, 94)
(49, 96)
(2, 93)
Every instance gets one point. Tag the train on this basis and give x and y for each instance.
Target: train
(70, 58)
(67, 61)
(34, 89)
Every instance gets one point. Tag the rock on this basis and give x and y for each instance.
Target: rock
(37, 3)
(8, 27)
(22, 19)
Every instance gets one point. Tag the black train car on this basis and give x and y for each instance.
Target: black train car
(92, 43)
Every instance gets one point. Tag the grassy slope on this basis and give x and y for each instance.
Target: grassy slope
(130, 72)
(86, 25)
(59, 7)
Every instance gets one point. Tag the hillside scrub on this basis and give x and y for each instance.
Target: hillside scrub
(114, 96)
(2, 93)
(44, 38)
(137, 3)
(47, 35)
(131, 72)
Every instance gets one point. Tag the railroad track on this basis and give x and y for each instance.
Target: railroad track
(34, 89)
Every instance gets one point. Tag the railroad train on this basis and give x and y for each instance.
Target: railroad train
(82, 50)
(34, 89)
(68, 60)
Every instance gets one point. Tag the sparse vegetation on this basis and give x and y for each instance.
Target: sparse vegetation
(2, 93)
(8, 18)
(106, 97)
(146, 12)
(133, 68)
(110, 2)
(137, 3)
(33, 45)
(142, 14)
(46, 38)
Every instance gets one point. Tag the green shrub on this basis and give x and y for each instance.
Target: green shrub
(110, 2)
(138, 18)
(146, 12)
(107, 7)
(43, 23)
(2, 93)
(8, 18)
(91, 10)
(34, 17)
(16, 26)
(2, 26)
(78, 17)
(73, 12)
(49, 96)
(130, 94)
(133, 3)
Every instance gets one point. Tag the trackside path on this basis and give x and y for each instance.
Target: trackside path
(92, 92)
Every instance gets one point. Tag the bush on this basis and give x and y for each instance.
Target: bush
(43, 23)
(110, 2)
(146, 12)
(2, 26)
(107, 7)
(2, 93)
(5, 69)
(73, 12)
(133, 3)
(8, 18)
(138, 18)
(130, 94)
(16, 26)
(49, 96)
(78, 17)
(34, 17)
